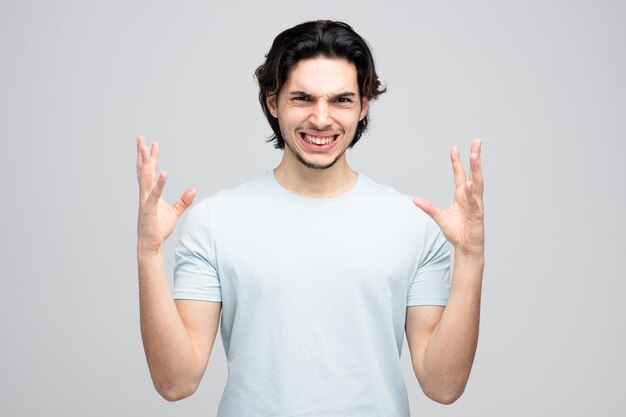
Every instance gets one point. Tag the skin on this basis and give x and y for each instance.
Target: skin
(443, 341)
(178, 336)
(320, 98)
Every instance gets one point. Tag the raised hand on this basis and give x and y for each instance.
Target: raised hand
(157, 218)
(462, 223)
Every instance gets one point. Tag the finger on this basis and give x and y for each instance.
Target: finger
(472, 199)
(475, 148)
(185, 200)
(427, 207)
(457, 167)
(138, 161)
(476, 173)
(157, 191)
(154, 159)
(146, 182)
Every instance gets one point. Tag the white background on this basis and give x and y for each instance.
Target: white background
(541, 82)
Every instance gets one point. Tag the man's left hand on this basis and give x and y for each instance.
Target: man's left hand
(463, 222)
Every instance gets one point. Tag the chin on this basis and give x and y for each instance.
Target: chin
(319, 165)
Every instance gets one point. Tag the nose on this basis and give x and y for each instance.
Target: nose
(320, 116)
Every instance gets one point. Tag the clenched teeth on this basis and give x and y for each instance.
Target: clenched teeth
(319, 141)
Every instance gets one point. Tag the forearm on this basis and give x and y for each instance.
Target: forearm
(169, 349)
(450, 353)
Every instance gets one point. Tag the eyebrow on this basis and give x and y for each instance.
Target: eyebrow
(310, 96)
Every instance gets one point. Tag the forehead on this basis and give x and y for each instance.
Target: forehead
(322, 76)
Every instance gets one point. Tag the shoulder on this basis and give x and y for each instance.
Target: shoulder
(257, 187)
(387, 196)
(243, 197)
(389, 203)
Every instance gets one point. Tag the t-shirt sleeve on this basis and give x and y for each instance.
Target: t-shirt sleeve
(431, 282)
(195, 272)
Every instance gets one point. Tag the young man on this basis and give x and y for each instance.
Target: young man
(317, 271)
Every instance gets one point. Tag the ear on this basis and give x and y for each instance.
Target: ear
(272, 105)
(364, 104)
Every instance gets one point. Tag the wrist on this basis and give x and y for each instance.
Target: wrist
(468, 272)
(474, 258)
(149, 253)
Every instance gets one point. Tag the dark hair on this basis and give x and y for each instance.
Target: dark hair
(309, 40)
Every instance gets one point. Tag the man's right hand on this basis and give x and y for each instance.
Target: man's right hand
(157, 218)
(178, 335)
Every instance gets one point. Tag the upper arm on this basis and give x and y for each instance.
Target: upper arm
(421, 322)
(201, 320)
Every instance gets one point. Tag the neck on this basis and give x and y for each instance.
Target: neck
(316, 183)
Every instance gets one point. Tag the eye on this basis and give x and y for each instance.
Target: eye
(344, 101)
(301, 98)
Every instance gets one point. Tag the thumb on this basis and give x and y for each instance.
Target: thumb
(185, 201)
(427, 207)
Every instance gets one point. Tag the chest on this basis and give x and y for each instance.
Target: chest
(315, 257)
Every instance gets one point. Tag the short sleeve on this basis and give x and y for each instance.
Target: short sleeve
(431, 282)
(195, 272)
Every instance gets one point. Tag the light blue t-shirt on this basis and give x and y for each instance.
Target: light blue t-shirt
(314, 294)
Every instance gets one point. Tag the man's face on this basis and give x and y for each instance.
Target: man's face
(318, 109)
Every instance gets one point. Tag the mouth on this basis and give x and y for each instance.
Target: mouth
(316, 140)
